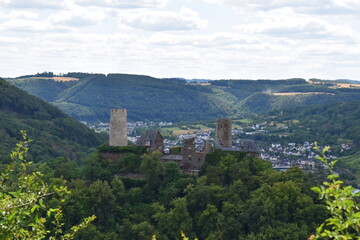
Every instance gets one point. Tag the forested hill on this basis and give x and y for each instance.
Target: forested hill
(54, 133)
(330, 124)
(90, 96)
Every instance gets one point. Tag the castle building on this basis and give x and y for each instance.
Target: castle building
(152, 140)
(118, 127)
(250, 147)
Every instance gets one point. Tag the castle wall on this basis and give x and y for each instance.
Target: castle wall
(223, 132)
(118, 127)
(192, 160)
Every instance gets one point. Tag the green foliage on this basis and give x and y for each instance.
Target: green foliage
(142, 96)
(175, 221)
(40, 87)
(235, 198)
(91, 97)
(25, 202)
(104, 148)
(54, 134)
(342, 203)
(152, 168)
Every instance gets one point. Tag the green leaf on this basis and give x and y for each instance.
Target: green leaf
(316, 189)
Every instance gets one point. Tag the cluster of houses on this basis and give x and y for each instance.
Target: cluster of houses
(105, 127)
(289, 155)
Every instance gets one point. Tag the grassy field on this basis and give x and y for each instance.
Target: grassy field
(58, 79)
(347, 85)
(239, 123)
(299, 93)
(190, 129)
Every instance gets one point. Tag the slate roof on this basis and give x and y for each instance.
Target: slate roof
(148, 136)
(249, 145)
(246, 146)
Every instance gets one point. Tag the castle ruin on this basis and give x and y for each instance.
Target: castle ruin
(223, 133)
(118, 127)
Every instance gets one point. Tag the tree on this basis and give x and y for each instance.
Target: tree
(176, 220)
(152, 168)
(24, 202)
(344, 222)
(172, 172)
(210, 222)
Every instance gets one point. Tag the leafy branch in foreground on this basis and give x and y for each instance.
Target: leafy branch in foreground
(181, 233)
(342, 203)
(25, 211)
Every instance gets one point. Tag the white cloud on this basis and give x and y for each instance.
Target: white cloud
(123, 3)
(185, 19)
(20, 14)
(214, 40)
(78, 17)
(316, 7)
(271, 38)
(21, 25)
(285, 23)
(38, 4)
(11, 40)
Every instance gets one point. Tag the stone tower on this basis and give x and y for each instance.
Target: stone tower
(118, 127)
(223, 133)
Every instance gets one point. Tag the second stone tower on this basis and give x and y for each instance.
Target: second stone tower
(223, 132)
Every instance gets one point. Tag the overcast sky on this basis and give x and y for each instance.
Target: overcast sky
(239, 39)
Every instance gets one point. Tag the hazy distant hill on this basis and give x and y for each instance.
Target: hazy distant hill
(92, 95)
(54, 134)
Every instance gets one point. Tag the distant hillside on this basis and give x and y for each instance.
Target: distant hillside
(147, 98)
(330, 124)
(54, 134)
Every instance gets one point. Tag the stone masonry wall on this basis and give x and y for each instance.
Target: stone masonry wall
(223, 132)
(118, 127)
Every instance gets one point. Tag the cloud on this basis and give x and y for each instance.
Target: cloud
(20, 14)
(11, 40)
(317, 7)
(78, 17)
(125, 4)
(30, 26)
(186, 19)
(213, 40)
(38, 4)
(284, 23)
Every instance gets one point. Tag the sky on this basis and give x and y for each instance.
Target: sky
(204, 39)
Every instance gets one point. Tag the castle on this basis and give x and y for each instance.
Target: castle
(189, 160)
